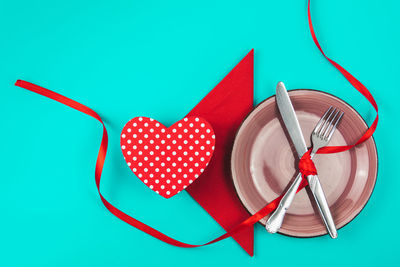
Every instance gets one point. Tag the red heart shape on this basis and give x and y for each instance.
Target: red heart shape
(167, 160)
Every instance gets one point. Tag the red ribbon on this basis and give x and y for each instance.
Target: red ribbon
(306, 166)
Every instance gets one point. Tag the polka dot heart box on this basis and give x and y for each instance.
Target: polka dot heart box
(167, 160)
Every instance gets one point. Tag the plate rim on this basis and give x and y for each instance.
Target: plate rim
(312, 90)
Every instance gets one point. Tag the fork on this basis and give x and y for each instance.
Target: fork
(320, 137)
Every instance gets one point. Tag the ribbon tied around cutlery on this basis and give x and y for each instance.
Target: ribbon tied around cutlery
(306, 165)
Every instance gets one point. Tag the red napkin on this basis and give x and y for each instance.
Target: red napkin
(225, 107)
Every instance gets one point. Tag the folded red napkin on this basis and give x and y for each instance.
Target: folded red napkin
(225, 107)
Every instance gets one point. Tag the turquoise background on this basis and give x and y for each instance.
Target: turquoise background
(159, 58)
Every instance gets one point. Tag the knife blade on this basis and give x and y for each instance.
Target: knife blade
(293, 127)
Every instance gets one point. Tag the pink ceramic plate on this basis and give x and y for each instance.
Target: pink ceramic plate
(263, 163)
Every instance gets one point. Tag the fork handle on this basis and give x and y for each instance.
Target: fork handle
(274, 222)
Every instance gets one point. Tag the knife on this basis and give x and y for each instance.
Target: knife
(293, 127)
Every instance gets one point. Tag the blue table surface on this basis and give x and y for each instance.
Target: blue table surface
(158, 59)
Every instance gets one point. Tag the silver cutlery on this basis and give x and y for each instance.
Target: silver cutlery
(320, 138)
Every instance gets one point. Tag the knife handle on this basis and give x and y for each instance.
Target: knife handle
(274, 222)
(322, 204)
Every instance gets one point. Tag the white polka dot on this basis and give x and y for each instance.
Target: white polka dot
(146, 136)
(157, 124)
(134, 158)
(157, 181)
(146, 158)
(151, 164)
(179, 136)
(213, 136)
(162, 187)
(180, 147)
(152, 141)
(123, 135)
(129, 141)
(196, 164)
(129, 164)
(174, 142)
(168, 170)
(185, 119)
(157, 136)
(191, 159)
(190, 170)
(157, 158)
(196, 119)
(140, 141)
(174, 153)
(151, 175)
(185, 175)
(185, 153)
(190, 181)
(196, 153)
(197, 131)
(174, 130)
(134, 169)
(173, 175)
(162, 164)
(179, 124)
(179, 170)
(134, 124)
(152, 130)
(140, 152)
(151, 152)
(140, 130)
(202, 159)
(162, 141)
(196, 176)
(145, 181)
(179, 181)
(134, 135)
(208, 142)
(140, 175)
(173, 164)
(140, 118)
(191, 136)
(191, 147)
(202, 125)
(191, 124)
(168, 136)
(208, 131)
(157, 192)
(179, 158)
(168, 158)
(129, 152)
(157, 170)
(146, 170)
(134, 147)
(162, 153)
(151, 186)
(168, 193)
(129, 130)
(202, 136)
(145, 147)
(163, 130)
(213, 147)
(184, 187)
(157, 147)
(185, 142)
(185, 164)
(174, 187)
(123, 147)
(168, 147)
(185, 130)
(196, 142)
(146, 124)
(202, 147)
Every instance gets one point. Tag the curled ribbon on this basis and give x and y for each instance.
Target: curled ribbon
(306, 166)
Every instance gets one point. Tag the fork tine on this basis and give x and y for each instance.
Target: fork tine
(319, 124)
(328, 129)
(323, 128)
(334, 126)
